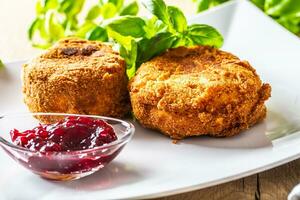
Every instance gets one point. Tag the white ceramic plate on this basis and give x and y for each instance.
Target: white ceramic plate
(151, 166)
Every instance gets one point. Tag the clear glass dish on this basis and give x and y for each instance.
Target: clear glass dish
(61, 165)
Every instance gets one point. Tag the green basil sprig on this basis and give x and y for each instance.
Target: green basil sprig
(138, 39)
(141, 39)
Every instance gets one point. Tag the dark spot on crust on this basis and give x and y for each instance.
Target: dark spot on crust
(69, 51)
(88, 50)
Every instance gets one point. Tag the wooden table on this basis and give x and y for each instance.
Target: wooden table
(15, 16)
(269, 185)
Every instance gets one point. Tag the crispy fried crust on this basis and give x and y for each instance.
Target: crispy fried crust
(198, 91)
(77, 76)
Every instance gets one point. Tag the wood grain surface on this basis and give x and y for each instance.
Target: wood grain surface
(269, 185)
(16, 15)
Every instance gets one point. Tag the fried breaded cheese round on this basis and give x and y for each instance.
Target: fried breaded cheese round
(198, 91)
(77, 76)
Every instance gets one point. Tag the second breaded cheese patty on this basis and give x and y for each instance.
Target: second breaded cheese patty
(198, 91)
(77, 76)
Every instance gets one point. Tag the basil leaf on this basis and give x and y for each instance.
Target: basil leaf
(202, 34)
(86, 28)
(53, 27)
(70, 25)
(98, 33)
(130, 56)
(206, 4)
(148, 48)
(49, 4)
(122, 40)
(71, 7)
(42, 29)
(128, 26)
(130, 9)
(177, 19)
(202, 5)
(158, 8)
(291, 22)
(93, 13)
(154, 26)
(279, 7)
(39, 8)
(108, 10)
(183, 40)
(33, 28)
(259, 3)
(117, 3)
(37, 29)
(287, 13)
(42, 6)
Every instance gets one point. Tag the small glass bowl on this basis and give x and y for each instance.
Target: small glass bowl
(61, 165)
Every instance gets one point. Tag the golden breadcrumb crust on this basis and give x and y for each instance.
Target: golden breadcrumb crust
(77, 76)
(198, 91)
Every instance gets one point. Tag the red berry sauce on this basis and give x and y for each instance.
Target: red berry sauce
(68, 135)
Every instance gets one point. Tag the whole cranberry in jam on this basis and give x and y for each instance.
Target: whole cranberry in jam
(72, 133)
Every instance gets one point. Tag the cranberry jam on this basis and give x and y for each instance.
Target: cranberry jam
(58, 147)
(70, 134)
